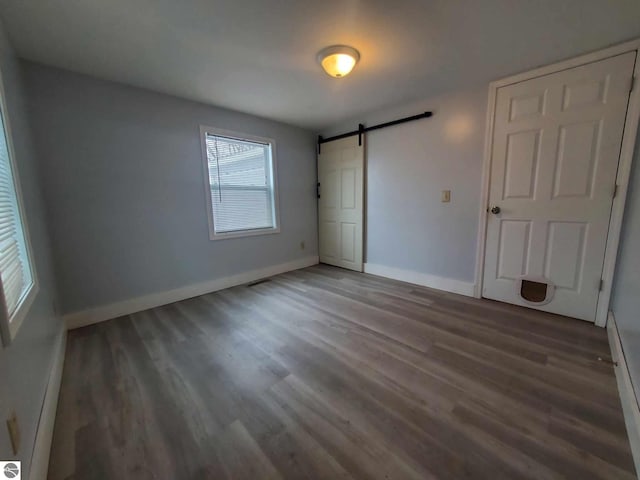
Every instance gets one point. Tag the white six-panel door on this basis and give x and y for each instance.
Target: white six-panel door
(556, 144)
(340, 206)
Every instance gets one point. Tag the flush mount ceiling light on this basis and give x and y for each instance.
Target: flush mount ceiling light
(338, 60)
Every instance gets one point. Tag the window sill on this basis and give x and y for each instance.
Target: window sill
(243, 233)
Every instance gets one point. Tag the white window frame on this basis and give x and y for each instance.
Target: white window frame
(9, 326)
(204, 130)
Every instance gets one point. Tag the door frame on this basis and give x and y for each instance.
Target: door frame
(622, 178)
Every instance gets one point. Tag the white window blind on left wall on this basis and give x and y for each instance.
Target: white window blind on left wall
(15, 270)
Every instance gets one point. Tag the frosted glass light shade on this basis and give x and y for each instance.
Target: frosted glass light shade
(338, 60)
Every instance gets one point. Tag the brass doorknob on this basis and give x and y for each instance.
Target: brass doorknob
(495, 210)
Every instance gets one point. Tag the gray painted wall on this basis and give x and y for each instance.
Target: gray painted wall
(26, 363)
(125, 190)
(408, 167)
(625, 302)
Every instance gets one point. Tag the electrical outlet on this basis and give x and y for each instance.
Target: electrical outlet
(302, 245)
(14, 432)
(446, 196)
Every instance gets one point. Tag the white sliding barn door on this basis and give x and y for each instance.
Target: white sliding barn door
(556, 144)
(340, 206)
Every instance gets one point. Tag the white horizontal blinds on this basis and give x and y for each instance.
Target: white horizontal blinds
(14, 262)
(241, 179)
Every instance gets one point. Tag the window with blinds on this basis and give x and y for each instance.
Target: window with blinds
(241, 183)
(15, 269)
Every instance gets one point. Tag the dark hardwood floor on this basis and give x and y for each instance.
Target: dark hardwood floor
(325, 373)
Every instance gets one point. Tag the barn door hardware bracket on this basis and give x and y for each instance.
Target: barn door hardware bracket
(362, 129)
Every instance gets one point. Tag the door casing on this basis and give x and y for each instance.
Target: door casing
(622, 178)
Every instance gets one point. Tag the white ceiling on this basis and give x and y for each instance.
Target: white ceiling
(258, 56)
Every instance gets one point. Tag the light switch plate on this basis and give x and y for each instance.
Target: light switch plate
(446, 196)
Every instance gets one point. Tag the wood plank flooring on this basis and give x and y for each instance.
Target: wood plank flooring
(328, 374)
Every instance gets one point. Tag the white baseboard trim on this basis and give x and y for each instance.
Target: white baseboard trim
(424, 279)
(44, 434)
(625, 387)
(133, 305)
